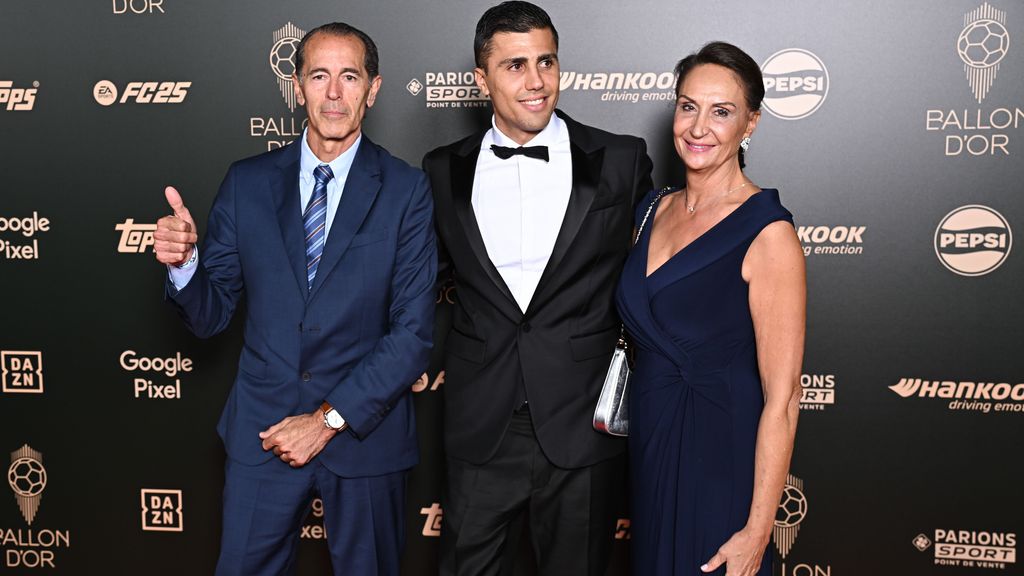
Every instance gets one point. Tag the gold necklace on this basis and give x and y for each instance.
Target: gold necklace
(691, 208)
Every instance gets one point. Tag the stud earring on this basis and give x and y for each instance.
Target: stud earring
(745, 143)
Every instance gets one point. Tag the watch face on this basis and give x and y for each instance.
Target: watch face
(334, 420)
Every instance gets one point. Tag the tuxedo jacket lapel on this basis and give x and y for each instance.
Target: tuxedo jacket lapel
(463, 169)
(587, 162)
(361, 188)
(284, 186)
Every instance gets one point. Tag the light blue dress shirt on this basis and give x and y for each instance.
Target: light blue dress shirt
(307, 163)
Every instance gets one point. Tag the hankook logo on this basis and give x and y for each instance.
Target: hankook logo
(973, 240)
(795, 83)
(979, 396)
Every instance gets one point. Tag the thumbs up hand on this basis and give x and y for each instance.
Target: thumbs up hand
(175, 235)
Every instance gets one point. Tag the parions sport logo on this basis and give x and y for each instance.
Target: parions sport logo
(279, 131)
(970, 548)
(973, 240)
(105, 92)
(818, 391)
(448, 89)
(981, 47)
(977, 396)
(796, 83)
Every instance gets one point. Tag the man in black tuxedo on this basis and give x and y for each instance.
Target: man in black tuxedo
(534, 217)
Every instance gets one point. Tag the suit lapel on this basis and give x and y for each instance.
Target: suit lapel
(586, 175)
(284, 186)
(463, 169)
(361, 188)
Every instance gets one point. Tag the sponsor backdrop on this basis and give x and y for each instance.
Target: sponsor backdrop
(893, 130)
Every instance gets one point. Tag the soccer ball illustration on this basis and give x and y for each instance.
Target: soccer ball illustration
(282, 57)
(27, 477)
(983, 43)
(792, 508)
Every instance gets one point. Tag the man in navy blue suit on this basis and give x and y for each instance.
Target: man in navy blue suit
(331, 242)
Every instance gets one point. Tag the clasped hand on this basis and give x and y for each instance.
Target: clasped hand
(296, 440)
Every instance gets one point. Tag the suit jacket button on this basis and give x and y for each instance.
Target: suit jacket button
(526, 326)
(306, 376)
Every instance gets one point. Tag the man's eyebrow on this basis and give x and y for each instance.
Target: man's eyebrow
(514, 60)
(355, 71)
(524, 59)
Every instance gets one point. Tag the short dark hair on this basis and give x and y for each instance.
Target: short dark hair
(727, 56)
(371, 61)
(512, 16)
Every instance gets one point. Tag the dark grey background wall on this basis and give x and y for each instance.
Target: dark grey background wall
(893, 130)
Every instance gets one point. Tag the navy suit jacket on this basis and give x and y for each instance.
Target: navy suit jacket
(358, 339)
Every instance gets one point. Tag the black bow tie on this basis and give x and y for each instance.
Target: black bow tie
(504, 152)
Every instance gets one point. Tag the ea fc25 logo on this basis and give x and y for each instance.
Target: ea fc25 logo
(982, 45)
(22, 371)
(162, 510)
(105, 93)
(795, 83)
(17, 98)
(973, 240)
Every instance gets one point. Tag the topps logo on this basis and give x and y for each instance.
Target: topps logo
(135, 238)
(16, 98)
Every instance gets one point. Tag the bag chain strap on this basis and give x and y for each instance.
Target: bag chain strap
(622, 328)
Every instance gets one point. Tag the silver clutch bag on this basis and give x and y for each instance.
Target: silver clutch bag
(612, 413)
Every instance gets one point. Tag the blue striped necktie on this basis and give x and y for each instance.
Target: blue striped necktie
(314, 220)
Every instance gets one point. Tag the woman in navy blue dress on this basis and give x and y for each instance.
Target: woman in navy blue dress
(713, 295)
